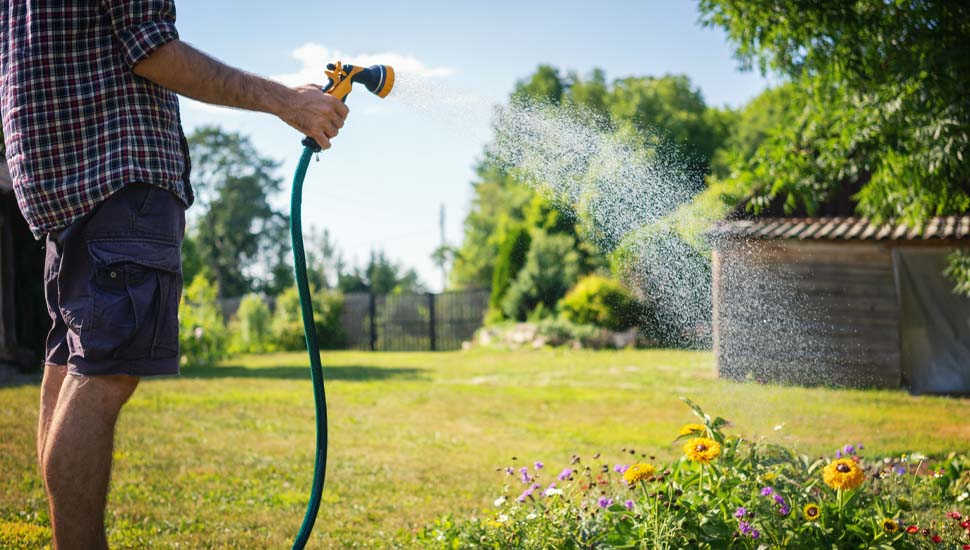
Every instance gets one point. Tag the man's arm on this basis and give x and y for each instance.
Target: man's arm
(189, 72)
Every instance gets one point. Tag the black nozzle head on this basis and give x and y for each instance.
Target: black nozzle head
(379, 79)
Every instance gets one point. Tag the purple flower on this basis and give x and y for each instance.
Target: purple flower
(783, 510)
(859, 446)
(838, 454)
(605, 502)
(565, 474)
(755, 533)
(525, 475)
(744, 527)
(740, 512)
(525, 494)
(849, 450)
(539, 465)
(779, 500)
(509, 470)
(628, 504)
(620, 468)
(767, 492)
(900, 470)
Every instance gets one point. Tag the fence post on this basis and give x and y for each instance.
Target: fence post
(431, 321)
(372, 313)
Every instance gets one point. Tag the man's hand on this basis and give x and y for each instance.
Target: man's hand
(189, 72)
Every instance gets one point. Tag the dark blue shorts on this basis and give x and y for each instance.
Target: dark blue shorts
(113, 281)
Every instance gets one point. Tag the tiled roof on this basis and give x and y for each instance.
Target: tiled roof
(841, 229)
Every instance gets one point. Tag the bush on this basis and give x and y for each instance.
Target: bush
(724, 492)
(550, 269)
(203, 337)
(596, 300)
(287, 323)
(251, 328)
(511, 257)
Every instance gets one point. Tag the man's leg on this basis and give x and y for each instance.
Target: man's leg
(77, 457)
(50, 388)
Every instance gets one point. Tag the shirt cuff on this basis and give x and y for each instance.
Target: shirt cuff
(139, 41)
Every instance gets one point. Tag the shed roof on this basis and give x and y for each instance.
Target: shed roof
(842, 229)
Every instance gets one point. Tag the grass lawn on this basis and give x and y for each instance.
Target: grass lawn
(222, 457)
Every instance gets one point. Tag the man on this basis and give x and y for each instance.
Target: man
(100, 164)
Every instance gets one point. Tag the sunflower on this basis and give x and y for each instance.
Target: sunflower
(693, 429)
(812, 512)
(890, 525)
(843, 474)
(702, 449)
(639, 472)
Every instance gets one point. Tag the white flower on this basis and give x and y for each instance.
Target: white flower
(499, 501)
(779, 426)
(502, 518)
(552, 491)
(963, 497)
(198, 333)
(531, 516)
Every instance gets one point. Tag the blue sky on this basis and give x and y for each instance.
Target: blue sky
(393, 166)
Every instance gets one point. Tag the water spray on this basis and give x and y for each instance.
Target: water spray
(379, 79)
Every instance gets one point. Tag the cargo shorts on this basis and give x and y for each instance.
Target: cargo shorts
(113, 280)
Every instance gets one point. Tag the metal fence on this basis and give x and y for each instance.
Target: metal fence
(412, 322)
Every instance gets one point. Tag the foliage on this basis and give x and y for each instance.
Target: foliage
(551, 267)
(380, 276)
(599, 301)
(724, 492)
(881, 97)
(250, 330)
(286, 326)
(203, 337)
(511, 257)
(958, 271)
(241, 239)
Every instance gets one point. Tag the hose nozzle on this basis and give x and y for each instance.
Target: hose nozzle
(379, 79)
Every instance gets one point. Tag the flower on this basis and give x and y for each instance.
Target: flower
(912, 529)
(702, 449)
(539, 465)
(937, 539)
(767, 491)
(889, 525)
(954, 515)
(526, 478)
(811, 512)
(779, 500)
(693, 429)
(638, 472)
(628, 504)
(843, 474)
(605, 502)
(499, 501)
(565, 474)
(740, 512)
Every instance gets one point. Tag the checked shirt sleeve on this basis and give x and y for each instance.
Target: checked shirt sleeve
(141, 26)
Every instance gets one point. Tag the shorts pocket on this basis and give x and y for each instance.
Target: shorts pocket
(135, 292)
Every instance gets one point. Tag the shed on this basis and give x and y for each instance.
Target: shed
(841, 301)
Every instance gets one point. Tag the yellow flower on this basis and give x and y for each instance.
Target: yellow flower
(843, 473)
(493, 524)
(770, 476)
(693, 429)
(702, 449)
(639, 472)
(811, 512)
(890, 525)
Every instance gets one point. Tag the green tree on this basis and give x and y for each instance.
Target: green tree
(287, 323)
(883, 112)
(381, 275)
(551, 268)
(236, 226)
(203, 338)
(511, 258)
(251, 327)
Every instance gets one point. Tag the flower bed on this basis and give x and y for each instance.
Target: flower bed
(724, 492)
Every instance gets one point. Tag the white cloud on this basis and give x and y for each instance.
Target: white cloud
(315, 57)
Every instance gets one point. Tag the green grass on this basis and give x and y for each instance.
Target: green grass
(221, 457)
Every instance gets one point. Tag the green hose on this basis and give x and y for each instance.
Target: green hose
(313, 349)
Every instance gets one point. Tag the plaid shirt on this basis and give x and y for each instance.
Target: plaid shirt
(78, 123)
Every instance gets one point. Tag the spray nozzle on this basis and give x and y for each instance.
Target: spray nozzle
(379, 79)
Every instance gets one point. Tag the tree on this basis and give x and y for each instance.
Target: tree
(883, 108)
(241, 239)
(380, 276)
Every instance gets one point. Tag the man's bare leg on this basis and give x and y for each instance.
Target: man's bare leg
(50, 388)
(77, 457)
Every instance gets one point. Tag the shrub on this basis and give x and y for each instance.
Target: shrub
(724, 492)
(511, 257)
(203, 337)
(551, 267)
(596, 300)
(251, 328)
(287, 324)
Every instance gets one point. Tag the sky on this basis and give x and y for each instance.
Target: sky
(395, 163)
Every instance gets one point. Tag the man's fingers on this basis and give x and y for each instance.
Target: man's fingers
(322, 141)
(330, 130)
(342, 109)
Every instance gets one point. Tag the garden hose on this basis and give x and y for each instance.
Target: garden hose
(379, 79)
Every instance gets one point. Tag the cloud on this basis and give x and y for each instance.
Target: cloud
(315, 57)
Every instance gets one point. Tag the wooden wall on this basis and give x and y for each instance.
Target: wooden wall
(806, 313)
